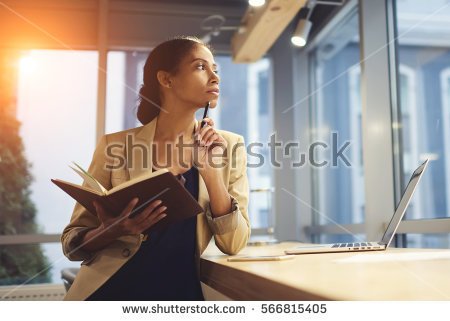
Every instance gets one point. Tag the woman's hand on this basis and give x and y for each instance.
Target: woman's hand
(123, 224)
(210, 147)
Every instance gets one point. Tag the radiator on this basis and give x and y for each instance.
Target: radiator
(32, 292)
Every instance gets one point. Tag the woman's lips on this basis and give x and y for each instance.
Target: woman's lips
(213, 92)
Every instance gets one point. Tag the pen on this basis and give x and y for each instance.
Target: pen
(204, 115)
(203, 123)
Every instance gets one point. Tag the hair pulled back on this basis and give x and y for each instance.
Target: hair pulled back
(167, 56)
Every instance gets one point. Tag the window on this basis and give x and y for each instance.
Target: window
(56, 106)
(124, 79)
(424, 77)
(338, 186)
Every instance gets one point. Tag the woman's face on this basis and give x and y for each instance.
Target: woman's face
(196, 81)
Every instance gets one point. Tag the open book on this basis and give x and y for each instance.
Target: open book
(161, 184)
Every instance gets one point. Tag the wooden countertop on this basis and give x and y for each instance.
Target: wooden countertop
(395, 274)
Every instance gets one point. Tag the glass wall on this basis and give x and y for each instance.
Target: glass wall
(56, 105)
(424, 102)
(338, 182)
(124, 79)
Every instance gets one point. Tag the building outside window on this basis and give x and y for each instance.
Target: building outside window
(424, 92)
(338, 188)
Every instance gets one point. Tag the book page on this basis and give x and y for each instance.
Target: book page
(137, 179)
(90, 180)
(56, 181)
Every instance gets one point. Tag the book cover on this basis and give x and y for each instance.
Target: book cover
(160, 184)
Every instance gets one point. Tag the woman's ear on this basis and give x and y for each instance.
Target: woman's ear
(164, 79)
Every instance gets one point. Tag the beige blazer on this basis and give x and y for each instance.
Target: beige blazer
(230, 232)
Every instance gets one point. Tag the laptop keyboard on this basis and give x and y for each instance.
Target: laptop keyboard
(351, 244)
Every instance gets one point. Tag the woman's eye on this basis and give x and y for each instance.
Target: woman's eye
(203, 67)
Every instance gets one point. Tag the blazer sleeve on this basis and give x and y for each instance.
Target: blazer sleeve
(82, 220)
(232, 231)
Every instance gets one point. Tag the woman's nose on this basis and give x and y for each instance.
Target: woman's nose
(215, 78)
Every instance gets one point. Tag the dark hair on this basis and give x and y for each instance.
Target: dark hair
(167, 56)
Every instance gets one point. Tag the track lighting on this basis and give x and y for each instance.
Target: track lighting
(301, 33)
(300, 36)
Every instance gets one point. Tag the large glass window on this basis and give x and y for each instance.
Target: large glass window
(338, 184)
(244, 107)
(56, 108)
(124, 79)
(424, 100)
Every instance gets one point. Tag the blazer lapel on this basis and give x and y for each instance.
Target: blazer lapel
(203, 196)
(203, 232)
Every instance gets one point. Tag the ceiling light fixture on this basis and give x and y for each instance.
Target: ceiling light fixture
(301, 33)
(256, 3)
(300, 36)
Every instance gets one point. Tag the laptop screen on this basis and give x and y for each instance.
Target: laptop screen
(403, 204)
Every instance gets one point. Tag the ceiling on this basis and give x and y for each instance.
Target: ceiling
(319, 17)
(136, 23)
(210, 3)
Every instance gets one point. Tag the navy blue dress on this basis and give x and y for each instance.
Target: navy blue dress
(164, 268)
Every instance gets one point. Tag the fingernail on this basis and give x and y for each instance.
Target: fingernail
(158, 202)
(164, 208)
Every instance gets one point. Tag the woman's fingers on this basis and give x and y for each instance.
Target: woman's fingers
(208, 121)
(128, 209)
(100, 211)
(206, 133)
(154, 204)
(153, 221)
(198, 130)
(126, 225)
(206, 129)
(148, 213)
(211, 139)
(151, 218)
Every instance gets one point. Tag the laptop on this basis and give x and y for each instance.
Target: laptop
(388, 234)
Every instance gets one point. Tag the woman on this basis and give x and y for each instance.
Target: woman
(119, 261)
